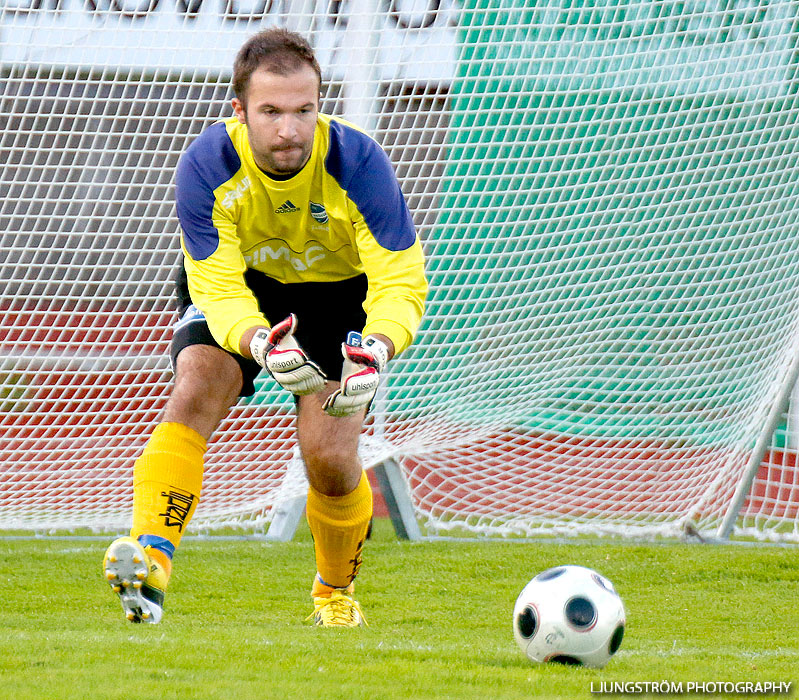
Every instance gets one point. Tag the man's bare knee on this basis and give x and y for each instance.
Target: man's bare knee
(329, 447)
(321, 456)
(207, 383)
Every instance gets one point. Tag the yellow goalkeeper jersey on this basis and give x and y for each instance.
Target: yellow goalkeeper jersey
(342, 215)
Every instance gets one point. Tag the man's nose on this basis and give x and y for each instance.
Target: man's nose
(287, 127)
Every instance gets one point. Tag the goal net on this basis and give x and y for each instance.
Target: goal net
(608, 198)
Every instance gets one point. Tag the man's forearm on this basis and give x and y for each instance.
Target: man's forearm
(246, 339)
(387, 342)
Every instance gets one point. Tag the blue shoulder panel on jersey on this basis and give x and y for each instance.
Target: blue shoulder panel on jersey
(210, 161)
(362, 169)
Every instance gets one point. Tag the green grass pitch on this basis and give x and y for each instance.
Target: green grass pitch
(439, 614)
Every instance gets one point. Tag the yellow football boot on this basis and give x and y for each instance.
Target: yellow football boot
(339, 609)
(138, 579)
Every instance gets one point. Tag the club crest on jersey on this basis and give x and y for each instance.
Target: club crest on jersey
(318, 213)
(288, 207)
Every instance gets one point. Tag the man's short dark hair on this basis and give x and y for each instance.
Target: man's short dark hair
(278, 51)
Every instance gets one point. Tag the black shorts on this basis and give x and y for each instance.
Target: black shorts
(326, 312)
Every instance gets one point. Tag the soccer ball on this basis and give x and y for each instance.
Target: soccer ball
(569, 615)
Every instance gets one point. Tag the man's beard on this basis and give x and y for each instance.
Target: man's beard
(285, 167)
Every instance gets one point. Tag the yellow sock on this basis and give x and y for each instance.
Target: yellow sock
(339, 525)
(167, 479)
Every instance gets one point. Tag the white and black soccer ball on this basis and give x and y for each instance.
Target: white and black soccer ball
(570, 615)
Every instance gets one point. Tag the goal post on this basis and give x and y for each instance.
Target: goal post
(609, 203)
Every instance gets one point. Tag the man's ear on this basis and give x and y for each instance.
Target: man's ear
(239, 110)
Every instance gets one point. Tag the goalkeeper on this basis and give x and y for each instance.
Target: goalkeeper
(294, 234)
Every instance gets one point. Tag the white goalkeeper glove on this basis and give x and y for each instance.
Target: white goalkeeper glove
(360, 375)
(279, 352)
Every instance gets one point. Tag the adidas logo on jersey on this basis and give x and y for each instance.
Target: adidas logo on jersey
(286, 208)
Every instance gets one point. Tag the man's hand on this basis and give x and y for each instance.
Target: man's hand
(278, 351)
(360, 375)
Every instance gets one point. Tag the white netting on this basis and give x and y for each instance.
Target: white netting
(608, 200)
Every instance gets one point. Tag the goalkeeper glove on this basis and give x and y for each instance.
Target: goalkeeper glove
(278, 351)
(360, 375)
